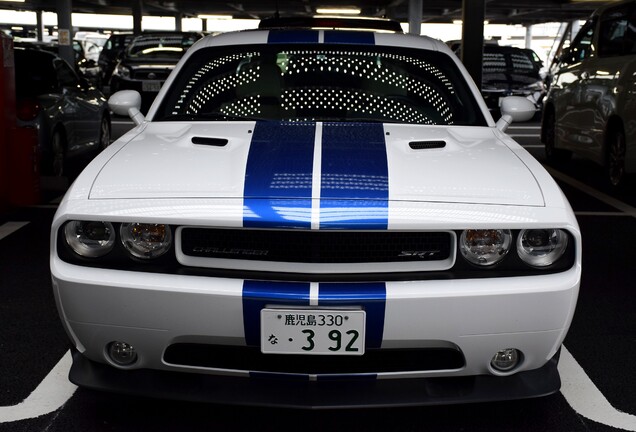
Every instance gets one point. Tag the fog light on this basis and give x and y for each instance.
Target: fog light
(506, 359)
(122, 354)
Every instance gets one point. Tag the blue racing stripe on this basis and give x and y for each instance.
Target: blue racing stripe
(355, 182)
(370, 296)
(258, 294)
(292, 36)
(278, 176)
(349, 37)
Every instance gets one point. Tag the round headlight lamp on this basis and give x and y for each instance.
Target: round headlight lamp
(485, 247)
(541, 247)
(146, 241)
(90, 239)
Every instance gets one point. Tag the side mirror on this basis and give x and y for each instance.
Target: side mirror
(127, 103)
(515, 109)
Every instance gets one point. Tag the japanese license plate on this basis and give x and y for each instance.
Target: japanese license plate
(314, 331)
(151, 86)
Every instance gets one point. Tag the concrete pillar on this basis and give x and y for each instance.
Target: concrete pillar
(204, 24)
(40, 25)
(137, 13)
(529, 37)
(473, 14)
(415, 17)
(65, 31)
(178, 22)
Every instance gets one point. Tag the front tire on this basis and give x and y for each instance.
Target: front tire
(553, 155)
(616, 149)
(58, 154)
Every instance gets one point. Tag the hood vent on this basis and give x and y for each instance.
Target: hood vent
(215, 142)
(426, 145)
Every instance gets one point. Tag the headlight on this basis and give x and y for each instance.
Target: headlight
(541, 247)
(485, 247)
(144, 240)
(122, 71)
(90, 239)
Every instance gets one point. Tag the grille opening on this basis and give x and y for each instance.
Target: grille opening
(316, 246)
(373, 361)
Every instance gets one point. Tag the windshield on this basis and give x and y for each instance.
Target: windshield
(161, 46)
(321, 83)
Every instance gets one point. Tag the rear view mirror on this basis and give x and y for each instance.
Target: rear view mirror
(515, 109)
(127, 103)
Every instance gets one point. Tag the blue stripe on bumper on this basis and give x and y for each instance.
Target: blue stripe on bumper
(258, 294)
(370, 296)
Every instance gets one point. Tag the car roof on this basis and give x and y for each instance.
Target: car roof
(326, 22)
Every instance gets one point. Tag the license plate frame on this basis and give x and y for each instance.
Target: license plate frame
(313, 331)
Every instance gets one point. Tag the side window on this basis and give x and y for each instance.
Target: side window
(65, 75)
(582, 47)
(617, 32)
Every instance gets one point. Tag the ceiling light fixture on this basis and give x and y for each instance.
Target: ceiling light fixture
(338, 11)
(215, 17)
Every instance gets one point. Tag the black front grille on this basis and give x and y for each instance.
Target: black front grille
(161, 74)
(316, 246)
(373, 361)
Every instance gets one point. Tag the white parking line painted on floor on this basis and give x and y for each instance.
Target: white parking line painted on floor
(10, 227)
(587, 399)
(53, 392)
(631, 211)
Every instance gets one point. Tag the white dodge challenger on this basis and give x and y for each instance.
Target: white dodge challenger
(317, 218)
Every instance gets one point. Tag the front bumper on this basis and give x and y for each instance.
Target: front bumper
(293, 393)
(475, 317)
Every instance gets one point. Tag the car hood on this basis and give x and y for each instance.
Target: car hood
(509, 79)
(330, 161)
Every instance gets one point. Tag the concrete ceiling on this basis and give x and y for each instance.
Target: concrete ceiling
(497, 11)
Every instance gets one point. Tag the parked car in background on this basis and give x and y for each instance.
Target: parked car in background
(148, 61)
(110, 56)
(511, 71)
(316, 218)
(591, 107)
(84, 67)
(71, 116)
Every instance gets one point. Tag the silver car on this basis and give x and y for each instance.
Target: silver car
(591, 107)
(72, 117)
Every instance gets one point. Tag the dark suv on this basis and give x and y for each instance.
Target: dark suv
(148, 61)
(511, 71)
